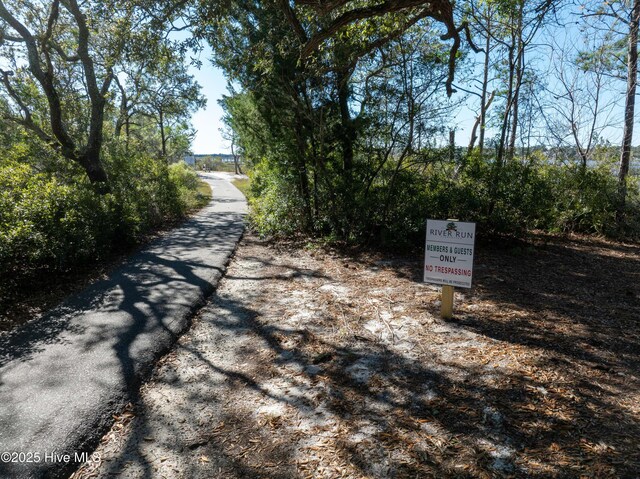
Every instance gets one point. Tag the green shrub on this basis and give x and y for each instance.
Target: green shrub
(58, 220)
(46, 222)
(186, 182)
(518, 196)
(585, 199)
(275, 203)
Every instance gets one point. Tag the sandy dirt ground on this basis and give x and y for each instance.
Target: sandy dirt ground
(316, 363)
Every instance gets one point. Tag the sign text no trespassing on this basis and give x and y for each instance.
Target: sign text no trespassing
(448, 258)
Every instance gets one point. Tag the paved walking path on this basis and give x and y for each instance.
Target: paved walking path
(64, 376)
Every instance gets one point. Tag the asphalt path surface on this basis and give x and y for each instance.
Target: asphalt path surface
(64, 376)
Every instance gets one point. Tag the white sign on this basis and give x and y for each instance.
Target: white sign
(448, 257)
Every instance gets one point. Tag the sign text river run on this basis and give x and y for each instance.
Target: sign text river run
(448, 258)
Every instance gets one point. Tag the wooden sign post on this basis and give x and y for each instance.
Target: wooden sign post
(446, 302)
(448, 258)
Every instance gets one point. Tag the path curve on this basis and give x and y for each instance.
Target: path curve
(64, 376)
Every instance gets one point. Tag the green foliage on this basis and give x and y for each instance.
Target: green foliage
(343, 146)
(509, 199)
(519, 197)
(57, 221)
(44, 221)
(187, 184)
(275, 206)
(585, 199)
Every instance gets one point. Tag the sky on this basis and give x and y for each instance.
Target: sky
(208, 121)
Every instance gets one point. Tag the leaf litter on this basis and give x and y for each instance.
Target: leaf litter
(311, 362)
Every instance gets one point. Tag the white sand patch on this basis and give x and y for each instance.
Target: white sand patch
(336, 289)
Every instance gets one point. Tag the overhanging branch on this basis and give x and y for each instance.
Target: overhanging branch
(439, 10)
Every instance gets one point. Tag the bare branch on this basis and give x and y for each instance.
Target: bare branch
(66, 57)
(10, 38)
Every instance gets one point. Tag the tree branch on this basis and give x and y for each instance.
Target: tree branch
(46, 82)
(293, 20)
(66, 57)
(27, 120)
(354, 15)
(439, 10)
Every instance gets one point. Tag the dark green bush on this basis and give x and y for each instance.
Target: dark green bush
(57, 220)
(275, 204)
(513, 198)
(585, 199)
(44, 221)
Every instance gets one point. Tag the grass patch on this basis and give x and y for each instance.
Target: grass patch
(203, 194)
(244, 185)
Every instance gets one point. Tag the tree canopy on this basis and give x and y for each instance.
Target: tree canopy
(346, 111)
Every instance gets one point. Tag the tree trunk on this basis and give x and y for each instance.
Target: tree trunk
(629, 110)
(236, 162)
(497, 168)
(301, 159)
(474, 134)
(485, 86)
(452, 146)
(163, 137)
(346, 136)
(479, 124)
(515, 109)
(507, 109)
(123, 112)
(42, 67)
(91, 163)
(519, 73)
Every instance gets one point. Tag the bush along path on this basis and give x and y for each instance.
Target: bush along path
(313, 363)
(63, 377)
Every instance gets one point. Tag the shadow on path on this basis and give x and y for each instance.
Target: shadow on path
(63, 377)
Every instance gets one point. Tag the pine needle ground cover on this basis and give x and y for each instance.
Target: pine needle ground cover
(312, 362)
